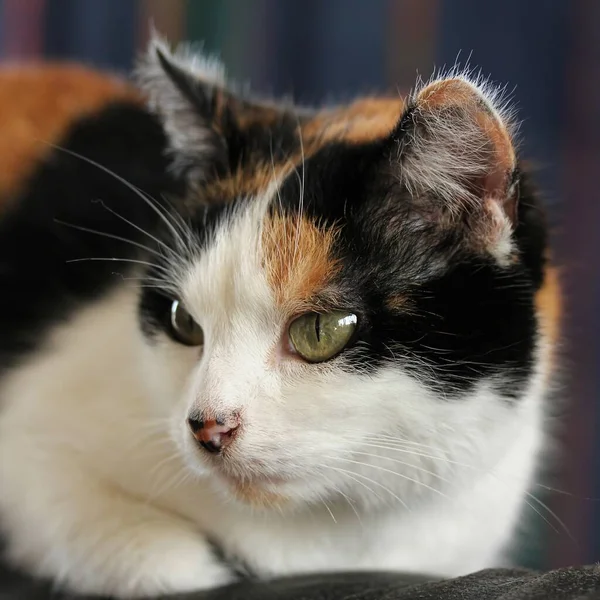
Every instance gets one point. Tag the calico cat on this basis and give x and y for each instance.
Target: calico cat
(241, 337)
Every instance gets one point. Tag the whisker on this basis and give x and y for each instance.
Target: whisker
(534, 509)
(349, 501)
(127, 184)
(109, 235)
(302, 182)
(177, 218)
(329, 510)
(132, 224)
(178, 478)
(113, 259)
(406, 448)
(350, 475)
(496, 477)
(398, 448)
(552, 514)
(353, 476)
(401, 462)
(394, 441)
(401, 475)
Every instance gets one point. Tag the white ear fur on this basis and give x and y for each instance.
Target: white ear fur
(204, 68)
(451, 122)
(457, 158)
(188, 130)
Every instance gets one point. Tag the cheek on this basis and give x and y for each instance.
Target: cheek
(331, 399)
(312, 415)
(346, 406)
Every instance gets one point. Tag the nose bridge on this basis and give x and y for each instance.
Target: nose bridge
(239, 326)
(229, 275)
(222, 385)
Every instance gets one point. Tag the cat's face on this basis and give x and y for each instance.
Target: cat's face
(349, 294)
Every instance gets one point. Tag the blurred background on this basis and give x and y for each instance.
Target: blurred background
(547, 51)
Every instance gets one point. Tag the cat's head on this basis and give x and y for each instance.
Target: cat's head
(349, 295)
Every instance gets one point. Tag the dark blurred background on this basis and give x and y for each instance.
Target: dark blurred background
(548, 51)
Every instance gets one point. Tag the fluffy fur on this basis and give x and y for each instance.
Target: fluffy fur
(414, 449)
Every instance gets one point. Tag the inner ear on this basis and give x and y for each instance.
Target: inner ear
(456, 147)
(453, 154)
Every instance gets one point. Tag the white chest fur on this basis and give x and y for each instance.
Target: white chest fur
(94, 494)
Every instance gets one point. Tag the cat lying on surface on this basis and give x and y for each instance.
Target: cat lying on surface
(238, 336)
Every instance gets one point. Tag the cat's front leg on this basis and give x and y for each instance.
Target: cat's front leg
(97, 540)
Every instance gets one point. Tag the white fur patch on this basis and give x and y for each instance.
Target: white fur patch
(103, 488)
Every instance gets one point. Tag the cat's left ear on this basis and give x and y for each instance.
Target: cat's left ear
(457, 159)
(208, 126)
(183, 89)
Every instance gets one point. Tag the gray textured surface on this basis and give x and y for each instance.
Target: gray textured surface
(581, 583)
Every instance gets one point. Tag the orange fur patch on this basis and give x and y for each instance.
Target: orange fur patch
(362, 121)
(447, 92)
(249, 180)
(549, 306)
(399, 303)
(38, 103)
(297, 258)
(258, 497)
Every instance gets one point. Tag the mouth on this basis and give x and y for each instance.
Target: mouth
(250, 481)
(249, 472)
(254, 484)
(256, 491)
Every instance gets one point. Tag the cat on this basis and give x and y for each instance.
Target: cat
(244, 338)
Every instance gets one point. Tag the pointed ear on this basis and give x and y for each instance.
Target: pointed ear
(182, 89)
(211, 127)
(457, 158)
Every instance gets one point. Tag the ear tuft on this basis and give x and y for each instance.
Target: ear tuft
(456, 144)
(180, 86)
(458, 160)
(150, 71)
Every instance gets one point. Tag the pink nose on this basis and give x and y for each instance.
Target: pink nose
(213, 434)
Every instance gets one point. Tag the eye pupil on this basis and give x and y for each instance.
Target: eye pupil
(318, 327)
(317, 337)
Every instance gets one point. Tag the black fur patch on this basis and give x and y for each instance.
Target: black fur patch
(465, 318)
(461, 317)
(239, 131)
(39, 284)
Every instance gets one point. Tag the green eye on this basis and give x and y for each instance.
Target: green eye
(318, 337)
(183, 327)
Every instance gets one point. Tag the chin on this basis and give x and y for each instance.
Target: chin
(255, 494)
(286, 495)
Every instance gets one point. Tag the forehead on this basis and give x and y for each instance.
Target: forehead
(258, 259)
(276, 142)
(265, 246)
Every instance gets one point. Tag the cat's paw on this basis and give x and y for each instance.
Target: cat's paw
(109, 544)
(141, 571)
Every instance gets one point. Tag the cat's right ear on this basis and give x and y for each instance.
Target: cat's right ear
(187, 91)
(453, 151)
